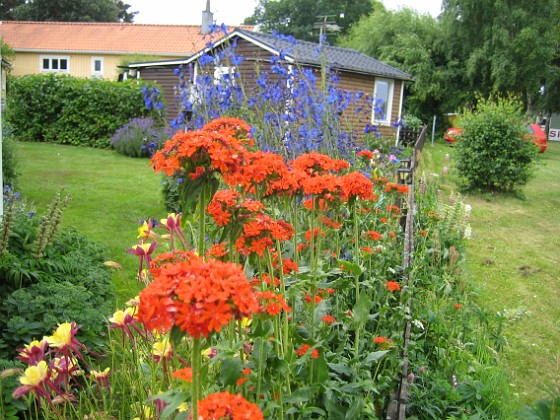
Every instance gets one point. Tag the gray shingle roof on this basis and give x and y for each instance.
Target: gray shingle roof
(311, 53)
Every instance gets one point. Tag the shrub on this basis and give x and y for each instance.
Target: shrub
(70, 110)
(49, 275)
(9, 158)
(492, 153)
(140, 137)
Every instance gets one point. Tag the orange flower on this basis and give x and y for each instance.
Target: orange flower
(197, 296)
(380, 340)
(316, 298)
(393, 286)
(374, 236)
(272, 303)
(357, 185)
(184, 374)
(224, 405)
(328, 319)
(457, 306)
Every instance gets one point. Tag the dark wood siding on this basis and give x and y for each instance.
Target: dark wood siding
(257, 59)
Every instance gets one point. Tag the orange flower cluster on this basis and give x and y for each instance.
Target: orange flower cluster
(373, 235)
(356, 185)
(391, 186)
(328, 319)
(260, 233)
(229, 204)
(272, 303)
(227, 406)
(200, 297)
(305, 348)
(218, 146)
(392, 286)
(184, 374)
(263, 173)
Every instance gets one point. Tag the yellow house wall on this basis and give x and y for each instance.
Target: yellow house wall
(80, 64)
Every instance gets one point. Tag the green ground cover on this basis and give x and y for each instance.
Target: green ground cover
(110, 193)
(513, 259)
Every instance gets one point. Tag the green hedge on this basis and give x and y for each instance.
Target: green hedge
(70, 110)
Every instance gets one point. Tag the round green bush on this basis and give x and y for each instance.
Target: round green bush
(493, 153)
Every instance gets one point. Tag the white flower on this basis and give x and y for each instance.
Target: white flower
(418, 324)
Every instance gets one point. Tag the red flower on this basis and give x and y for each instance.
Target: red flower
(380, 340)
(393, 286)
(224, 405)
(457, 306)
(184, 374)
(374, 236)
(272, 303)
(328, 319)
(356, 185)
(197, 296)
(366, 154)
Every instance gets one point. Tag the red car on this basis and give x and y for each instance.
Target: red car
(534, 132)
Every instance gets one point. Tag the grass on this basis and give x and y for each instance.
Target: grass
(110, 193)
(512, 260)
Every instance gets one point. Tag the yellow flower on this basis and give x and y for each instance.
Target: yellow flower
(162, 348)
(182, 407)
(98, 375)
(35, 375)
(122, 317)
(144, 230)
(62, 336)
(28, 348)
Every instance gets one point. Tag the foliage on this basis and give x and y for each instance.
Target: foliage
(10, 406)
(49, 275)
(494, 153)
(140, 137)
(303, 18)
(7, 52)
(69, 110)
(7, 7)
(9, 158)
(505, 46)
(73, 11)
(415, 43)
(543, 409)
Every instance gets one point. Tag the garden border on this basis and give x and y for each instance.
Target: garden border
(406, 176)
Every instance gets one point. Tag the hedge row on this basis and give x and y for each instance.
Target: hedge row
(70, 110)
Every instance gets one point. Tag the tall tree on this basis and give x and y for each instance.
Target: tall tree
(304, 18)
(7, 7)
(412, 42)
(74, 11)
(506, 45)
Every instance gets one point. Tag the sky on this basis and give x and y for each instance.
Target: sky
(231, 12)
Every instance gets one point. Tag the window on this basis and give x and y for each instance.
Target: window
(97, 66)
(225, 75)
(383, 101)
(55, 64)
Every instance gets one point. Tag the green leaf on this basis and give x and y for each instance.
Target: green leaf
(353, 268)
(355, 408)
(375, 356)
(230, 371)
(361, 311)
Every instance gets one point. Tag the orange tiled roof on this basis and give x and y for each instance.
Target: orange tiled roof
(116, 38)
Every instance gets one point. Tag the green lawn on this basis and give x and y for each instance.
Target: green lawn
(513, 260)
(110, 193)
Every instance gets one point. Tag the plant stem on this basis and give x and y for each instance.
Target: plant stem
(195, 391)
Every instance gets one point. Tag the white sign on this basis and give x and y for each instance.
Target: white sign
(554, 134)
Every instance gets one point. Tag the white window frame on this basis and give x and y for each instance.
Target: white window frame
(221, 71)
(98, 73)
(383, 119)
(51, 59)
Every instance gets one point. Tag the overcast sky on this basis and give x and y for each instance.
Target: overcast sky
(231, 12)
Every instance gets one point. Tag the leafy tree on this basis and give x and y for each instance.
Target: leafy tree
(74, 11)
(412, 42)
(7, 7)
(303, 18)
(493, 153)
(506, 45)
